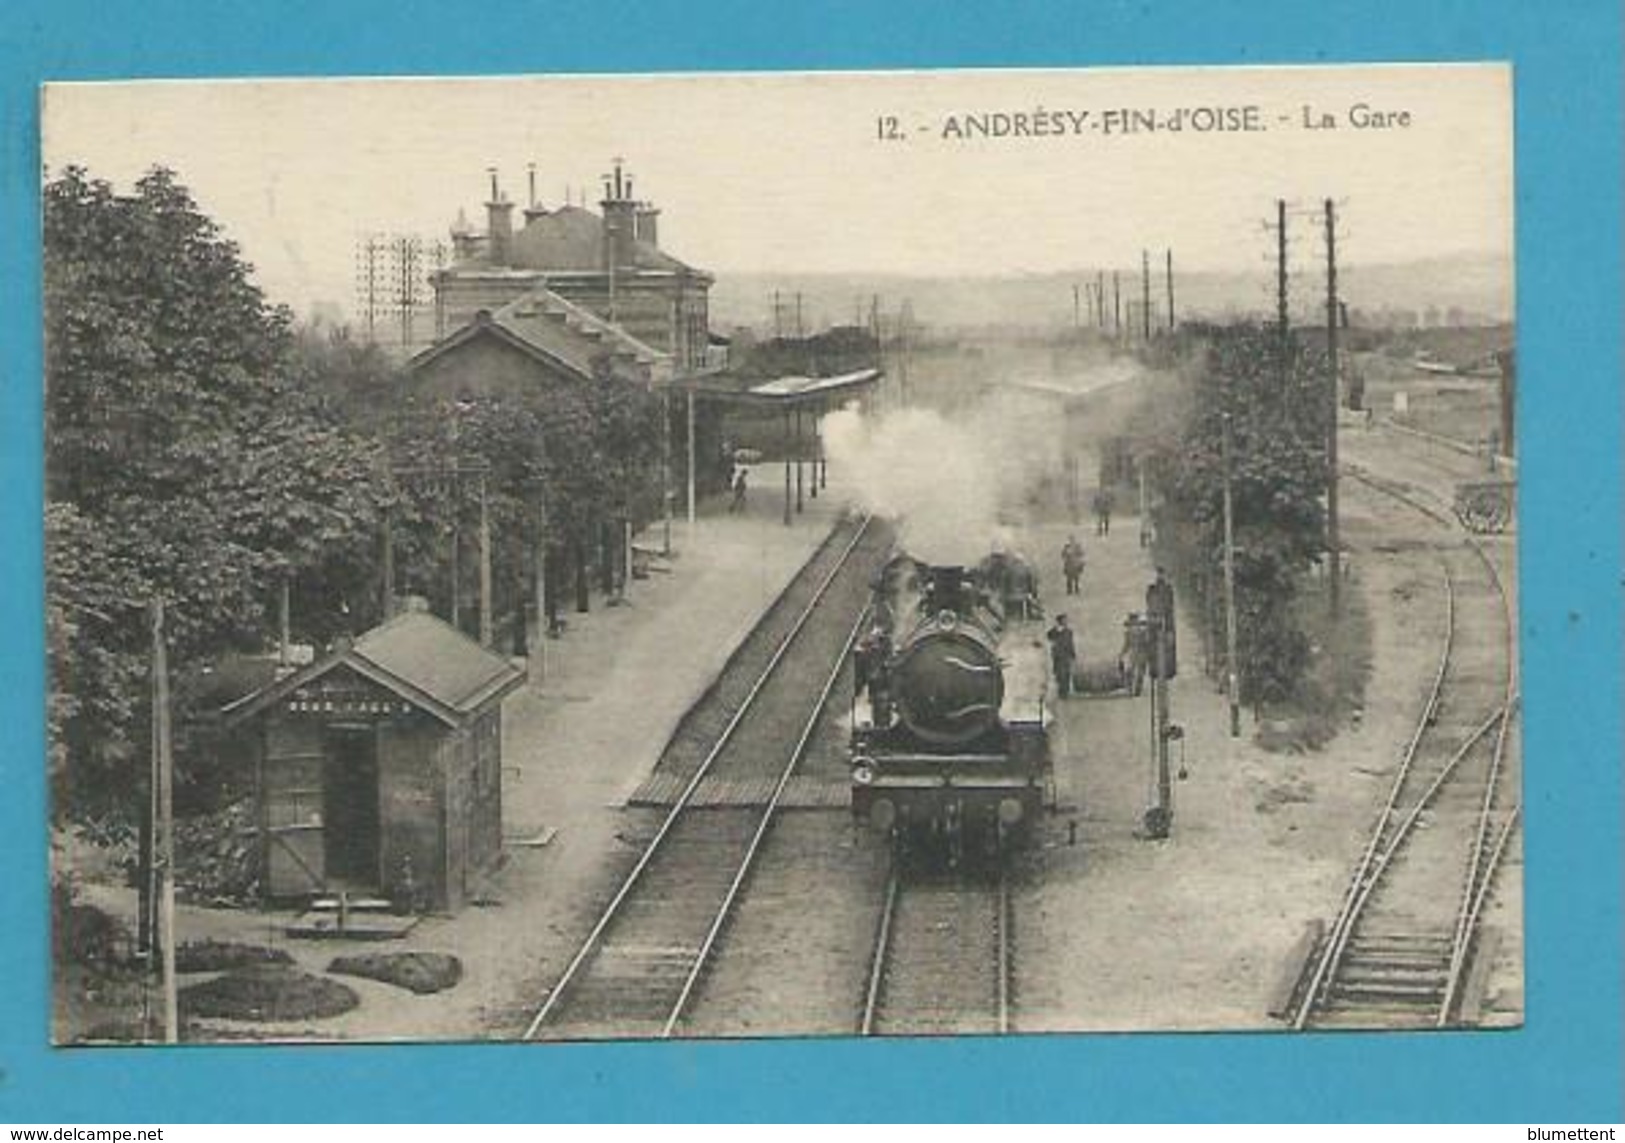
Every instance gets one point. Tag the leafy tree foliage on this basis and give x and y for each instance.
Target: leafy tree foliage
(589, 449)
(1268, 390)
(186, 460)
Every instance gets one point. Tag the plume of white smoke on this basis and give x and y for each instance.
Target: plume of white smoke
(955, 487)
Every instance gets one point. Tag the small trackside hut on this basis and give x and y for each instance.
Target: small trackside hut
(379, 767)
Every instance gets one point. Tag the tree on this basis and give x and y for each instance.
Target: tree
(1268, 389)
(590, 447)
(183, 461)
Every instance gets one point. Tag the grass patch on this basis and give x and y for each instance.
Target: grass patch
(1332, 693)
(418, 972)
(268, 992)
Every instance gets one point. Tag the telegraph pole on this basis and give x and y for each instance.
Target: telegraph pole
(387, 595)
(1117, 304)
(538, 659)
(1168, 276)
(1145, 295)
(689, 429)
(486, 632)
(1232, 682)
(1333, 539)
(665, 472)
(1281, 269)
(1077, 311)
(164, 783)
(284, 608)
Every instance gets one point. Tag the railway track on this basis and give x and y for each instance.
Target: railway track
(1397, 952)
(942, 957)
(641, 966)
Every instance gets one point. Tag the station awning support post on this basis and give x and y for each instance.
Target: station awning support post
(788, 455)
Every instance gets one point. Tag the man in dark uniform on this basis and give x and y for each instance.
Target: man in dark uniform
(1063, 655)
(1133, 659)
(1159, 614)
(1072, 564)
(1022, 585)
(869, 661)
(1104, 503)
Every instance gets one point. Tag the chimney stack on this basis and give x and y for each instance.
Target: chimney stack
(620, 220)
(648, 224)
(463, 240)
(499, 229)
(535, 210)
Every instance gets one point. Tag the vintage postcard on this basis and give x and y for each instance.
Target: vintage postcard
(893, 554)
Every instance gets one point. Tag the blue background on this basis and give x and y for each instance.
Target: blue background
(1565, 1065)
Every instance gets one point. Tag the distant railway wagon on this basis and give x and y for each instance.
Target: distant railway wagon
(950, 747)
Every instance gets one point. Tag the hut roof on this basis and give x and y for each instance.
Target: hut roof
(424, 660)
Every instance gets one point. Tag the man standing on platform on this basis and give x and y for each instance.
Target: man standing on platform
(1103, 511)
(1063, 655)
(1072, 564)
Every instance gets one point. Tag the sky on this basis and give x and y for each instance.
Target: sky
(794, 173)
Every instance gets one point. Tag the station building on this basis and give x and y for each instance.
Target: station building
(609, 264)
(572, 295)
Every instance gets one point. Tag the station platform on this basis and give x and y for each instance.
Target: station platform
(588, 728)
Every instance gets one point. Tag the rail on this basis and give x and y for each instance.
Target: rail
(726, 907)
(883, 962)
(680, 804)
(1386, 843)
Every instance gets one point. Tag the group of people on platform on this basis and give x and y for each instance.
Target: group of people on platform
(1149, 642)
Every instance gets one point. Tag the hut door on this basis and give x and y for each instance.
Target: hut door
(350, 805)
(293, 809)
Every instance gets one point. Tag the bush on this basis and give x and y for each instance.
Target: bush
(418, 972)
(220, 956)
(268, 992)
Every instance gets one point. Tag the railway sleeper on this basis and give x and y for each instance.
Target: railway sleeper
(1402, 940)
(1373, 1019)
(1387, 989)
(1432, 975)
(1398, 968)
(1398, 954)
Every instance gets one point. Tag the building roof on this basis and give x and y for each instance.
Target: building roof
(570, 240)
(556, 331)
(424, 660)
(792, 390)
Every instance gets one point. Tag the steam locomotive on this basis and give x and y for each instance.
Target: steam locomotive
(950, 747)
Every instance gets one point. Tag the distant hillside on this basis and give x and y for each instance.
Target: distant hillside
(1477, 288)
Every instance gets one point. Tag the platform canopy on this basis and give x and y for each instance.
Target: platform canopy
(791, 392)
